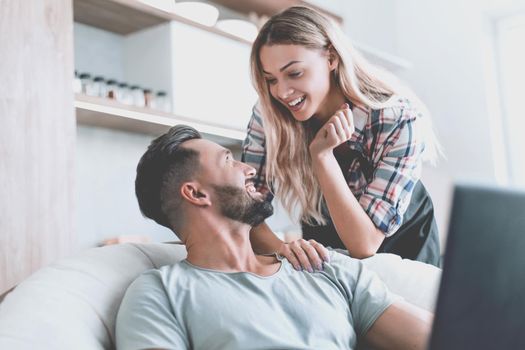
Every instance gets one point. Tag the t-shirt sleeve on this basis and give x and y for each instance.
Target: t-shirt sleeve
(254, 151)
(368, 296)
(397, 160)
(145, 319)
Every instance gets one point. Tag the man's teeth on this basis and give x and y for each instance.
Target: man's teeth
(296, 101)
(251, 188)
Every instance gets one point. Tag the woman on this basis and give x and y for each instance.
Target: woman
(340, 141)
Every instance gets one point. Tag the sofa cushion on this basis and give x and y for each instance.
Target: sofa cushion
(73, 303)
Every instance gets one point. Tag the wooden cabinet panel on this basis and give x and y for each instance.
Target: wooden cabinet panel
(37, 137)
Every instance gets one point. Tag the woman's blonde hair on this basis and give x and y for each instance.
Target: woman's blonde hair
(288, 163)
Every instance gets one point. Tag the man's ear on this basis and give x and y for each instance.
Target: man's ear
(195, 194)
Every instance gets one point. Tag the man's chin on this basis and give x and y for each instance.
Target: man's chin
(248, 207)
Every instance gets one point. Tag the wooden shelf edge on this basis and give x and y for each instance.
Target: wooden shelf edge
(95, 111)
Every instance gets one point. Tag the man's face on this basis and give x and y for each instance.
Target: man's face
(231, 183)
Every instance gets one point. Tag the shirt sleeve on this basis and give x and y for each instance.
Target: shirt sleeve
(145, 319)
(368, 296)
(254, 151)
(396, 153)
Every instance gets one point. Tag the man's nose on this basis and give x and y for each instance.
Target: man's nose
(249, 171)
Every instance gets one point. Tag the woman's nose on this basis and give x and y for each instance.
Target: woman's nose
(285, 92)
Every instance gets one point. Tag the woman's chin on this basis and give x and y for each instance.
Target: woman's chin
(301, 116)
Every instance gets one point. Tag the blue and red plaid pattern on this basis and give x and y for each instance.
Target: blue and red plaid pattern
(389, 142)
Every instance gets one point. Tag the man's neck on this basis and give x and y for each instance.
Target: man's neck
(227, 248)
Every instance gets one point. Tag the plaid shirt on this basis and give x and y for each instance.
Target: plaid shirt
(389, 144)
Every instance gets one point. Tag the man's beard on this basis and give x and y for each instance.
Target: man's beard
(235, 203)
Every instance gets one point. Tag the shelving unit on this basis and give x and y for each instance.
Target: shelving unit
(106, 113)
(129, 16)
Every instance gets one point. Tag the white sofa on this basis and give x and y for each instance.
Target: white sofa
(73, 303)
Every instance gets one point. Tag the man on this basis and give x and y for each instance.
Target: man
(223, 296)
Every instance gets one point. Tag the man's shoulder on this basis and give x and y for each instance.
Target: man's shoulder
(342, 266)
(158, 276)
(340, 257)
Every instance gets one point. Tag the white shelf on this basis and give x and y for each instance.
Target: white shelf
(101, 112)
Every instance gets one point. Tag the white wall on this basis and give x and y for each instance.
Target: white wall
(446, 43)
(106, 163)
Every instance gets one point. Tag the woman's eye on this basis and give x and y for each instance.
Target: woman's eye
(295, 74)
(271, 81)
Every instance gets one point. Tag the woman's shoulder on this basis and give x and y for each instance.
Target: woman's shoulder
(400, 109)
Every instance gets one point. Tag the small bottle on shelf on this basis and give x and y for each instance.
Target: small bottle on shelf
(148, 98)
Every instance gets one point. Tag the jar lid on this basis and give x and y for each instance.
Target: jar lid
(98, 78)
(85, 75)
(161, 93)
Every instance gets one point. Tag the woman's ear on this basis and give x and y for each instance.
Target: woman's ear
(195, 194)
(333, 58)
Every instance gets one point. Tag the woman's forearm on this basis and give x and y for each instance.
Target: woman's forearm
(263, 240)
(355, 228)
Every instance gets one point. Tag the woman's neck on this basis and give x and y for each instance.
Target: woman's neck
(332, 103)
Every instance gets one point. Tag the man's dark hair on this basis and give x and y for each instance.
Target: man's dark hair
(161, 171)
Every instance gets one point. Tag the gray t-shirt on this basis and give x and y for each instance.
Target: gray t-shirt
(186, 307)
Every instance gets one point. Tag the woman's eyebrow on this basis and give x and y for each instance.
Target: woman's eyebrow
(284, 67)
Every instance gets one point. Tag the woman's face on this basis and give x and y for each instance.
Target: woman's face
(298, 77)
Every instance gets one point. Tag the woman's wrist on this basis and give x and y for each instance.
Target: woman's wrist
(323, 159)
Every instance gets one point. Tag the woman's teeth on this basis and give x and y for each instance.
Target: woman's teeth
(296, 101)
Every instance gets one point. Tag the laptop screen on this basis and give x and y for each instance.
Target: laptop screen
(481, 302)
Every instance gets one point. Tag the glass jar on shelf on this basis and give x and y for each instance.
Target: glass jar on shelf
(124, 94)
(77, 84)
(138, 96)
(111, 89)
(161, 102)
(99, 86)
(86, 81)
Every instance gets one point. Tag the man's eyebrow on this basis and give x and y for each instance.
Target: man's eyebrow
(284, 67)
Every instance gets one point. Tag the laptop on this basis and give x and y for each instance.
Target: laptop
(481, 301)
